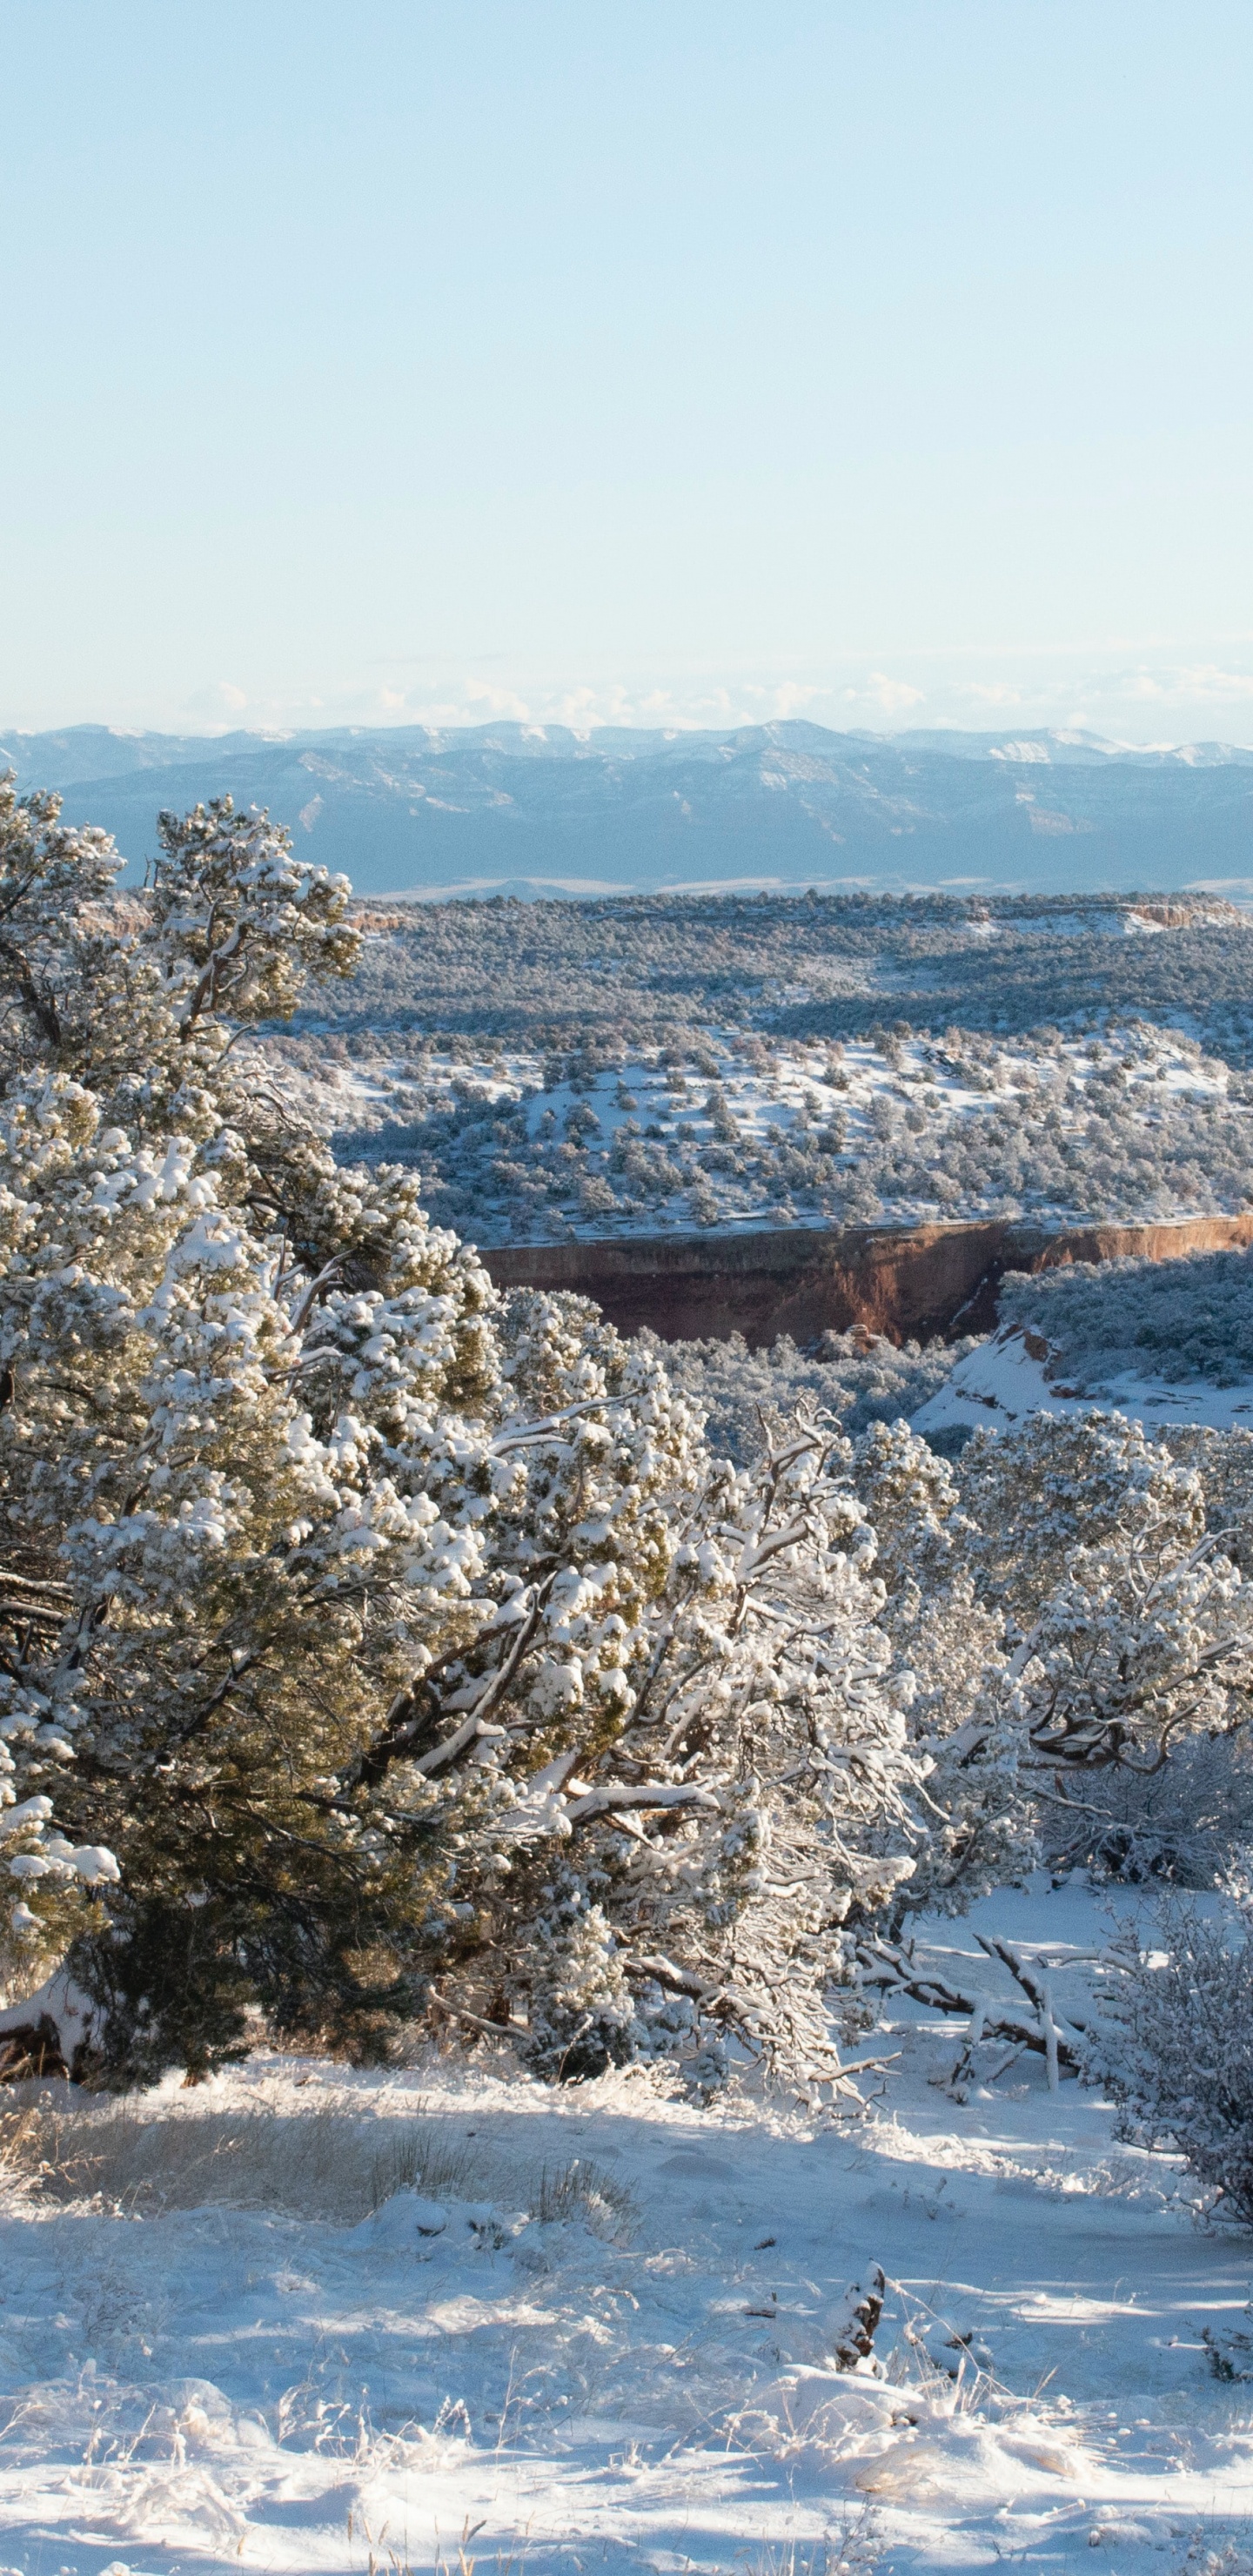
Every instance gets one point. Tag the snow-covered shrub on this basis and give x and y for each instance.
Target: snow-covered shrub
(1179, 2058)
(858, 1376)
(1129, 1635)
(979, 1822)
(1185, 1822)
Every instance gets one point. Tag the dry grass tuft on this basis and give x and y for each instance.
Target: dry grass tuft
(580, 2191)
(324, 2163)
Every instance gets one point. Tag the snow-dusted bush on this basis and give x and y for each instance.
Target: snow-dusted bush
(1203, 2558)
(1179, 2059)
(1129, 1632)
(1185, 1822)
(979, 1821)
(859, 1377)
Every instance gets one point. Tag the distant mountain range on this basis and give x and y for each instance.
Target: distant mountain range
(528, 809)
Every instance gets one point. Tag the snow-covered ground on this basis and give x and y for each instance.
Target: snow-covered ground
(1014, 1374)
(646, 2383)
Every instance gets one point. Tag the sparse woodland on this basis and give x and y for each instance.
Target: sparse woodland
(608, 1067)
(377, 1653)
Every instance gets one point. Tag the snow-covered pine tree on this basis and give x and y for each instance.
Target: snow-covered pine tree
(395, 1643)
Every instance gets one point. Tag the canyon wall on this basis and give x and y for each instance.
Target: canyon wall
(909, 1282)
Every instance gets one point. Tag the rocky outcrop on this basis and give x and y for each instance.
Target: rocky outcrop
(911, 1282)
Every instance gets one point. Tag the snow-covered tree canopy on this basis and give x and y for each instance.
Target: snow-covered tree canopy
(377, 1646)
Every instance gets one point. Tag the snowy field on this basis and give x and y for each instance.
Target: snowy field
(519, 2361)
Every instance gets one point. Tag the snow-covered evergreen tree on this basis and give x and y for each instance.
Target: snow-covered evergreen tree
(1138, 1645)
(1130, 1635)
(1060, 1482)
(399, 1648)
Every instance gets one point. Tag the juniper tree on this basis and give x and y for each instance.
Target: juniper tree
(394, 1641)
(1130, 1637)
(980, 1826)
(1062, 1481)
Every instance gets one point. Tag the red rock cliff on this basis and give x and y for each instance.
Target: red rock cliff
(910, 1282)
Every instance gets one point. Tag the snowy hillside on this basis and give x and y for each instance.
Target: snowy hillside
(734, 1131)
(1015, 1373)
(1161, 1342)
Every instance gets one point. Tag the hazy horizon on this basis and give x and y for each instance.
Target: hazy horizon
(586, 725)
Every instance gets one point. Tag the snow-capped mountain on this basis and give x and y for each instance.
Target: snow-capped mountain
(521, 808)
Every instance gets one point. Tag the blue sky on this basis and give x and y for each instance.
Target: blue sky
(675, 361)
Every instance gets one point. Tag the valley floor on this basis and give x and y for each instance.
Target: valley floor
(635, 2377)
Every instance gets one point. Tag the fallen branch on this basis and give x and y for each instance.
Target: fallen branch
(477, 2021)
(1031, 1976)
(989, 2016)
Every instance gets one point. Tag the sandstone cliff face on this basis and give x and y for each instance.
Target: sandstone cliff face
(908, 1283)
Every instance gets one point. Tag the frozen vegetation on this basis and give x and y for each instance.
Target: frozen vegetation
(560, 1069)
(856, 1378)
(620, 1962)
(1176, 1320)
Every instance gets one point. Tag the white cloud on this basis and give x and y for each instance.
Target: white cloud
(1198, 683)
(795, 698)
(1122, 690)
(890, 697)
(218, 704)
(1208, 681)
